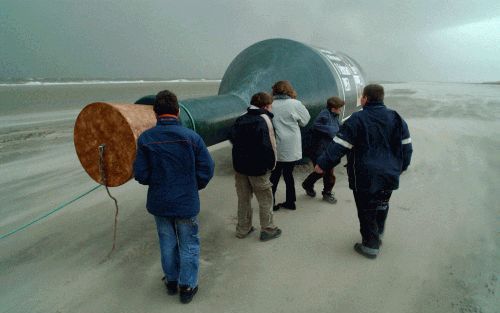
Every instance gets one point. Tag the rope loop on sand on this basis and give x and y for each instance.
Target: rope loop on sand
(48, 213)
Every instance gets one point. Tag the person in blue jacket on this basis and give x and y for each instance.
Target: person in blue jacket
(378, 147)
(174, 162)
(324, 128)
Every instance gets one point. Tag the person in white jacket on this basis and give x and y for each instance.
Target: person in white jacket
(289, 115)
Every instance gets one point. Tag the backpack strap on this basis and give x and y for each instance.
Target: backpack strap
(272, 138)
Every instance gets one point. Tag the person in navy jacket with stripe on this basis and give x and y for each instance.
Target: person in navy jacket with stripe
(378, 147)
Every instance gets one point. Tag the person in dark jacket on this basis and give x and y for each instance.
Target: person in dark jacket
(325, 127)
(254, 156)
(174, 161)
(378, 147)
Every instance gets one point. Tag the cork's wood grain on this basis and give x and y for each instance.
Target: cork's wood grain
(117, 126)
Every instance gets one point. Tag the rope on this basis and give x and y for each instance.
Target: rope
(47, 214)
(103, 181)
(189, 115)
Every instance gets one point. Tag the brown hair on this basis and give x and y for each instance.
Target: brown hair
(166, 103)
(373, 93)
(334, 103)
(261, 99)
(283, 87)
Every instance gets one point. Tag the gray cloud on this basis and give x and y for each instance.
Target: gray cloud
(392, 40)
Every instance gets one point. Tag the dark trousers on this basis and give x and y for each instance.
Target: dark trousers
(372, 213)
(328, 180)
(287, 169)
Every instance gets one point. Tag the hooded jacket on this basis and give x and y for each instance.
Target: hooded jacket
(174, 161)
(378, 147)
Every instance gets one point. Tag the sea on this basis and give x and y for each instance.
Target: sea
(39, 169)
(37, 156)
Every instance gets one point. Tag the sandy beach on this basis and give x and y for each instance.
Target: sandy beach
(441, 249)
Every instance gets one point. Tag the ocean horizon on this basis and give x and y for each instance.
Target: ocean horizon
(109, 81)
(55, 82)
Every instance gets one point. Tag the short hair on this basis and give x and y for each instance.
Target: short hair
(374, 93)
(284, 87)
(334, 103)
(261, 99)
(166, 103)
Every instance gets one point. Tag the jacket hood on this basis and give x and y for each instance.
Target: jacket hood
(374, 104)
(253, 111)
(281, 97)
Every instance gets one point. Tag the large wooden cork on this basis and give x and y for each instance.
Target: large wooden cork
(117, 126)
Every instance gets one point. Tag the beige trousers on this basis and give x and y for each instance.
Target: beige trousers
(262, 188)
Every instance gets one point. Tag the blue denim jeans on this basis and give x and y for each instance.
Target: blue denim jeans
(180, 249)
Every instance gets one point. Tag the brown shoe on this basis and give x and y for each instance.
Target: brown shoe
(266, 235)
(241, 236)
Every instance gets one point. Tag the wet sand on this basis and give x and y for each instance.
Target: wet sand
(440, 252)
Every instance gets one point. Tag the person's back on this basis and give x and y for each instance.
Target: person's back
(172, 174)
(376, 160)
(174, 162)
(289, 115)
(254, 156)
(378, 147)
(252, 151)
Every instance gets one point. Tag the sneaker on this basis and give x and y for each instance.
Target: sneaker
(284, 205)
(329, 197)
(266, 235)
(171, 286)
(364, 251)
(309, 191)
(241, 236)
(187, 294)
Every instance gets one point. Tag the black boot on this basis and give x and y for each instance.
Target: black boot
(187, 294)
(171, 286)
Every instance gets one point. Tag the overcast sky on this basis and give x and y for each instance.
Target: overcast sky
(405, 40)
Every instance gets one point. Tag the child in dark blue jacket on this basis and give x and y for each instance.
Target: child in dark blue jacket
(325, 126)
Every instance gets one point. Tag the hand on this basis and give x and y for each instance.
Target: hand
(318, 169)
